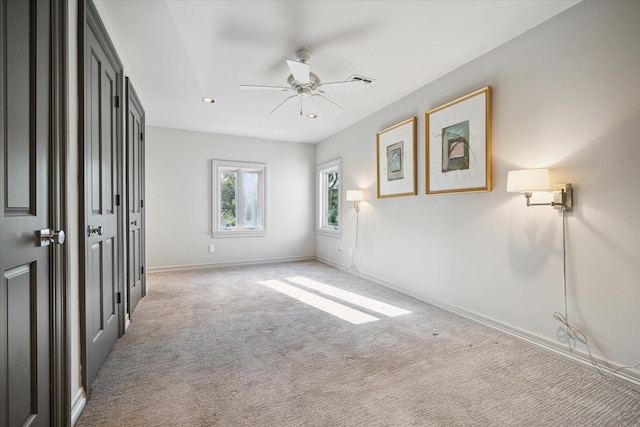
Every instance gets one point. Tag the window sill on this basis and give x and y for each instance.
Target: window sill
(233, 234)
(328, 232)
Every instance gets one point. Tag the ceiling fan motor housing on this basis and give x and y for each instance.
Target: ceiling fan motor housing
(314, 81)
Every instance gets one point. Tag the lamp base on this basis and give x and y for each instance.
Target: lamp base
(562, 196)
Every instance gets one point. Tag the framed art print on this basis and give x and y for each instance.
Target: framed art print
(396, 155)
(458, 145)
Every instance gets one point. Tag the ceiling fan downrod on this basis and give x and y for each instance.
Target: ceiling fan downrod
(303, 55)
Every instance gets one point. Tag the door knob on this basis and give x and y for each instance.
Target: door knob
(134, 222)
(46, 236)
(94, 230)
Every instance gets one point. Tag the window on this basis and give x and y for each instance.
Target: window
(239, 194)
(329, 197)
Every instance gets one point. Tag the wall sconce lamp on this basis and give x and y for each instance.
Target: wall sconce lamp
(355, 196)
(527, 181)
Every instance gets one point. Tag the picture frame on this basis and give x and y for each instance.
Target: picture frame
(396, 157)
(458, 145)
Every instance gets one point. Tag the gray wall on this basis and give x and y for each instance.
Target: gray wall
(178, 205)
(566, 95)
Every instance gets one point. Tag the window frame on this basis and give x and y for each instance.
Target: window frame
(322, 200)
(217, 166)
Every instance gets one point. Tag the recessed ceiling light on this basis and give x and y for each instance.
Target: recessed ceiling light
(312, 116)
(208, 100)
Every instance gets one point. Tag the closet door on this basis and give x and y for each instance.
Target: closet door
(135, 204)
(102, 205)
(25, 195)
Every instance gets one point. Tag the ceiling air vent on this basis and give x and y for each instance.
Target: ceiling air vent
(358, 78)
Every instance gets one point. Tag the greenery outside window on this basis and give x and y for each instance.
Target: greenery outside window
(239, 198)
(329, 206)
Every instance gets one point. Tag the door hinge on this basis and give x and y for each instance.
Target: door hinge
(141, 136)
(118, 298)
(141, 203)
(117, 200)
(142, 269)
(116, 101)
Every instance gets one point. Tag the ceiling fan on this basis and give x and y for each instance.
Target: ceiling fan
(307, 91)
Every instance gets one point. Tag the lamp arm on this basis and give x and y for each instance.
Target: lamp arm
(541, 204)
(527, 195)
(563, 205)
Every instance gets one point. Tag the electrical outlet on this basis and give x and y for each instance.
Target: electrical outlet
(350, 251)
(211, 249)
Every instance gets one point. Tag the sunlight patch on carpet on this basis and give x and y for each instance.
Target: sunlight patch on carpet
(350, 297)
(336, 309)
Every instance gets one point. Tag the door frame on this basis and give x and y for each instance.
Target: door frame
(88, 16)
(60, 297)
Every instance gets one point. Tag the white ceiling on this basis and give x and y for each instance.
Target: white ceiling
(178, 51)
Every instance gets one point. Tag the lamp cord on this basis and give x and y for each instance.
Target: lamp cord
(572, 331)
(575, 333)
(564, 268)
(357, 216)
(355, 249)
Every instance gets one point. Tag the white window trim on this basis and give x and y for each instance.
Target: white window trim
(216, 165)
(320, 211)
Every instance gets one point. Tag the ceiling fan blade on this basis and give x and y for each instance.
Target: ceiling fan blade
(350, 86)
(325, 103)
(285, 105)
(272, 88)
(300, 71)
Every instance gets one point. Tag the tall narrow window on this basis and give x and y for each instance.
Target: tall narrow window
(239, 198)
(329, 197)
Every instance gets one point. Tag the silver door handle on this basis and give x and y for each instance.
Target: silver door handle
(94, 230)
(46, 236)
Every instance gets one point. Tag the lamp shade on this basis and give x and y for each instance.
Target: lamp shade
(528, 180)
(354, 195)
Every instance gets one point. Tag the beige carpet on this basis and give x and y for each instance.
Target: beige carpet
(216, 348)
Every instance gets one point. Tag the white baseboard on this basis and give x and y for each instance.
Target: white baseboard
(629, 376)
(77, 405)
(329, 262)
(228, 264)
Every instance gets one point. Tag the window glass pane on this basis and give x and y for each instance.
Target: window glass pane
(328, 188)
(333, 196)
(228, 200)
(239, 199)
(250, 200)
